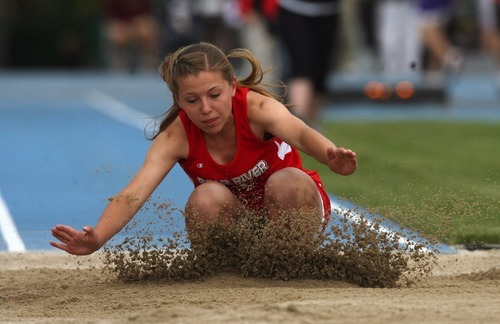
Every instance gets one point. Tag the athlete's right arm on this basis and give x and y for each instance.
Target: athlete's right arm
(169, 147)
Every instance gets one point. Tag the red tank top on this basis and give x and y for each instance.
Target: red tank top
(255, 159)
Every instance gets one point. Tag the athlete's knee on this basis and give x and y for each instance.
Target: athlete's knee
(293, 201)
(291, 187)
(210, 201)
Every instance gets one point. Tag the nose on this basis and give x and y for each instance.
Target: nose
(205, 107)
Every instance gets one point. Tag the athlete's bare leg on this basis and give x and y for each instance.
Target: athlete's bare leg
(289, 191)
(292, 191)
(210, 203)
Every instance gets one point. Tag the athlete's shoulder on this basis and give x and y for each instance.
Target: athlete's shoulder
(260, 104)
(256, 99)
(174, 139)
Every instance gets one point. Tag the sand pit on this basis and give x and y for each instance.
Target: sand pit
(55, 287)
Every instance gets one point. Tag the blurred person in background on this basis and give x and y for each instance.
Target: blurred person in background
(358, 25)
(398, 38)
(489, 21)
(189, 21)
(258, 34)
(217, 22)
(133, 34)
(307, 29)
(178, 24)
(443, 57)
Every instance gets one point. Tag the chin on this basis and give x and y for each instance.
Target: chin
(211, 130)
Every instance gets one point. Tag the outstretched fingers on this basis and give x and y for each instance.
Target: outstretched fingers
(342, 160)
(74, 241)
(64, 233)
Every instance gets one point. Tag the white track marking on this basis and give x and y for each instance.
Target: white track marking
(357, 218)
(8, 229)
(116, 109)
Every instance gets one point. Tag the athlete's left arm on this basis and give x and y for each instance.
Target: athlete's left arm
(271, 116)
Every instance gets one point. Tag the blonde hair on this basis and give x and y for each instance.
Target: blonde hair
(196, 58)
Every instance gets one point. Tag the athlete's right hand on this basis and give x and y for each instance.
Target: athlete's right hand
(76, 242)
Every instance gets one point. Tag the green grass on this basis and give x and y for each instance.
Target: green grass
(440, 178)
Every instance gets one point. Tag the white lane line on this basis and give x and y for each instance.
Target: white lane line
(357, 218)
(117, 110)
(8, 229)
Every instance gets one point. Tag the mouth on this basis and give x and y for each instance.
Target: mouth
(210, 122)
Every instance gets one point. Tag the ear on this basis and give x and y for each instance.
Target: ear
(176, 100)
(233, 87)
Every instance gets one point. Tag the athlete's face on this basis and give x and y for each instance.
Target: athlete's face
(207, 100)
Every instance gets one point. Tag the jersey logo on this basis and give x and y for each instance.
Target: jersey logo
(200, 165)
(283, 149)
(251, 175)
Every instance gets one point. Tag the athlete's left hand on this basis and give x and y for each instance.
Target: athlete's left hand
(342, 161)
